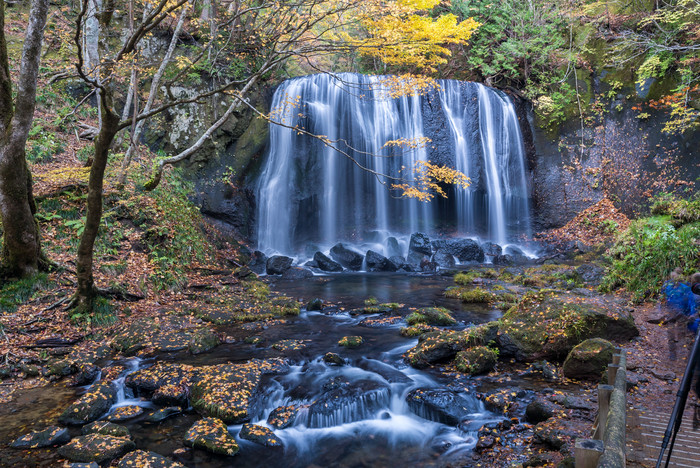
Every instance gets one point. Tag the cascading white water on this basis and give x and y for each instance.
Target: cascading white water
(310, 193)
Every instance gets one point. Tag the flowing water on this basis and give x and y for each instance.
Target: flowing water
(314, 193)
(357, 414)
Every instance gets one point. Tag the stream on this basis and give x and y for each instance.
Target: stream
(354, 415)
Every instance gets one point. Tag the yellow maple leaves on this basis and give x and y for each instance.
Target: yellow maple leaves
(429, 179)
(403, 33)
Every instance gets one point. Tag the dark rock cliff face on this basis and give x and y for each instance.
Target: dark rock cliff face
(617, 154)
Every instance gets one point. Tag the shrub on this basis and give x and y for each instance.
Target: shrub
(645, 255)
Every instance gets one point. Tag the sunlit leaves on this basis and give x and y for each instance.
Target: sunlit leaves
(429, 179)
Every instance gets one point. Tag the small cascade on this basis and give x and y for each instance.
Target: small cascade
(311, 194)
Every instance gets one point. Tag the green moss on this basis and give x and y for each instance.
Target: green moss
(467, 278)
(351, 341)
(431, 316)
(476, 360)
(476, 295)
(284, 305)
(416, 330)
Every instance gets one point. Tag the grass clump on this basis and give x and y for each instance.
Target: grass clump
(477, 295)
(14, 293)
(466, 278)
(431, 316)
(351, 341)
(416, 330)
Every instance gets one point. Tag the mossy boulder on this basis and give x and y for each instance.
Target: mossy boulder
(547, 326)
(431, 316)
(161, 374)
(226, 391)
(211, 434)
(140, 458)
(443, 345)
(477, 360)
(588, 359)
(417, 330)
(96, 402)
(97, 448)
(48, 437)
(351, 341)
(203, 340)
(106, 428)
(135, 336)
(260, 435)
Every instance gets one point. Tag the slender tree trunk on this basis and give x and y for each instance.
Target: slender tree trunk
(21, 246)
(86, 292)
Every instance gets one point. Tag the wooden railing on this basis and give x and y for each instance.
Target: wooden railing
(606, 449)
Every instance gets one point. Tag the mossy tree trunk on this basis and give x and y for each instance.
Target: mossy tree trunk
(21, 251)
(109, 120)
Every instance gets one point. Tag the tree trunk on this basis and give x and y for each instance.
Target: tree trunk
(86, 293)
(21, 245)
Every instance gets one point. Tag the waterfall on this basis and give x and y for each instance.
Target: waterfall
(311, 194)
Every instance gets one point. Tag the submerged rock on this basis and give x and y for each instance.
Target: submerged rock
(347, 402)
(140, 458)
(96, 448)
(211, 434)
(441, 405)
(260, 435)
(326, 264)
(278, 264)
(589, 359)
(297, 273)
(162, 414)
(96, 402)
(346, 257)
(387, 372)
(314, 305)
(49, 437)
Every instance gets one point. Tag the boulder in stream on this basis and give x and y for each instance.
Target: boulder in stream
(211, 434)
(96, 448)
(477, 360)
(258, 262)
(96, 402)
(345, 402)
(420, 243)
(49, 437)
(260, 435)
(283, 417)
(441, 405)
(443, 259)
(140, 458)
(296, 273)
(378, 262)
(278, 264)
(106, 428)
(326, 264)
(346, 257)
(393, 248)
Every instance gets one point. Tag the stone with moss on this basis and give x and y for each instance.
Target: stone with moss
(443, 345)
(431, 316)
(477, 360)
(416, 330)
(97, 448)
(96, 402)
(284, 305)
(124, 413)
(226, 391)
(333, 359)
(547, 325)
(203, 340)
(211, 434)
(106, 428)
(351, 341)
(135, 336)
(589, 359)
(141, 458)
(260, 435)
(49, 437)
(161, 374)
